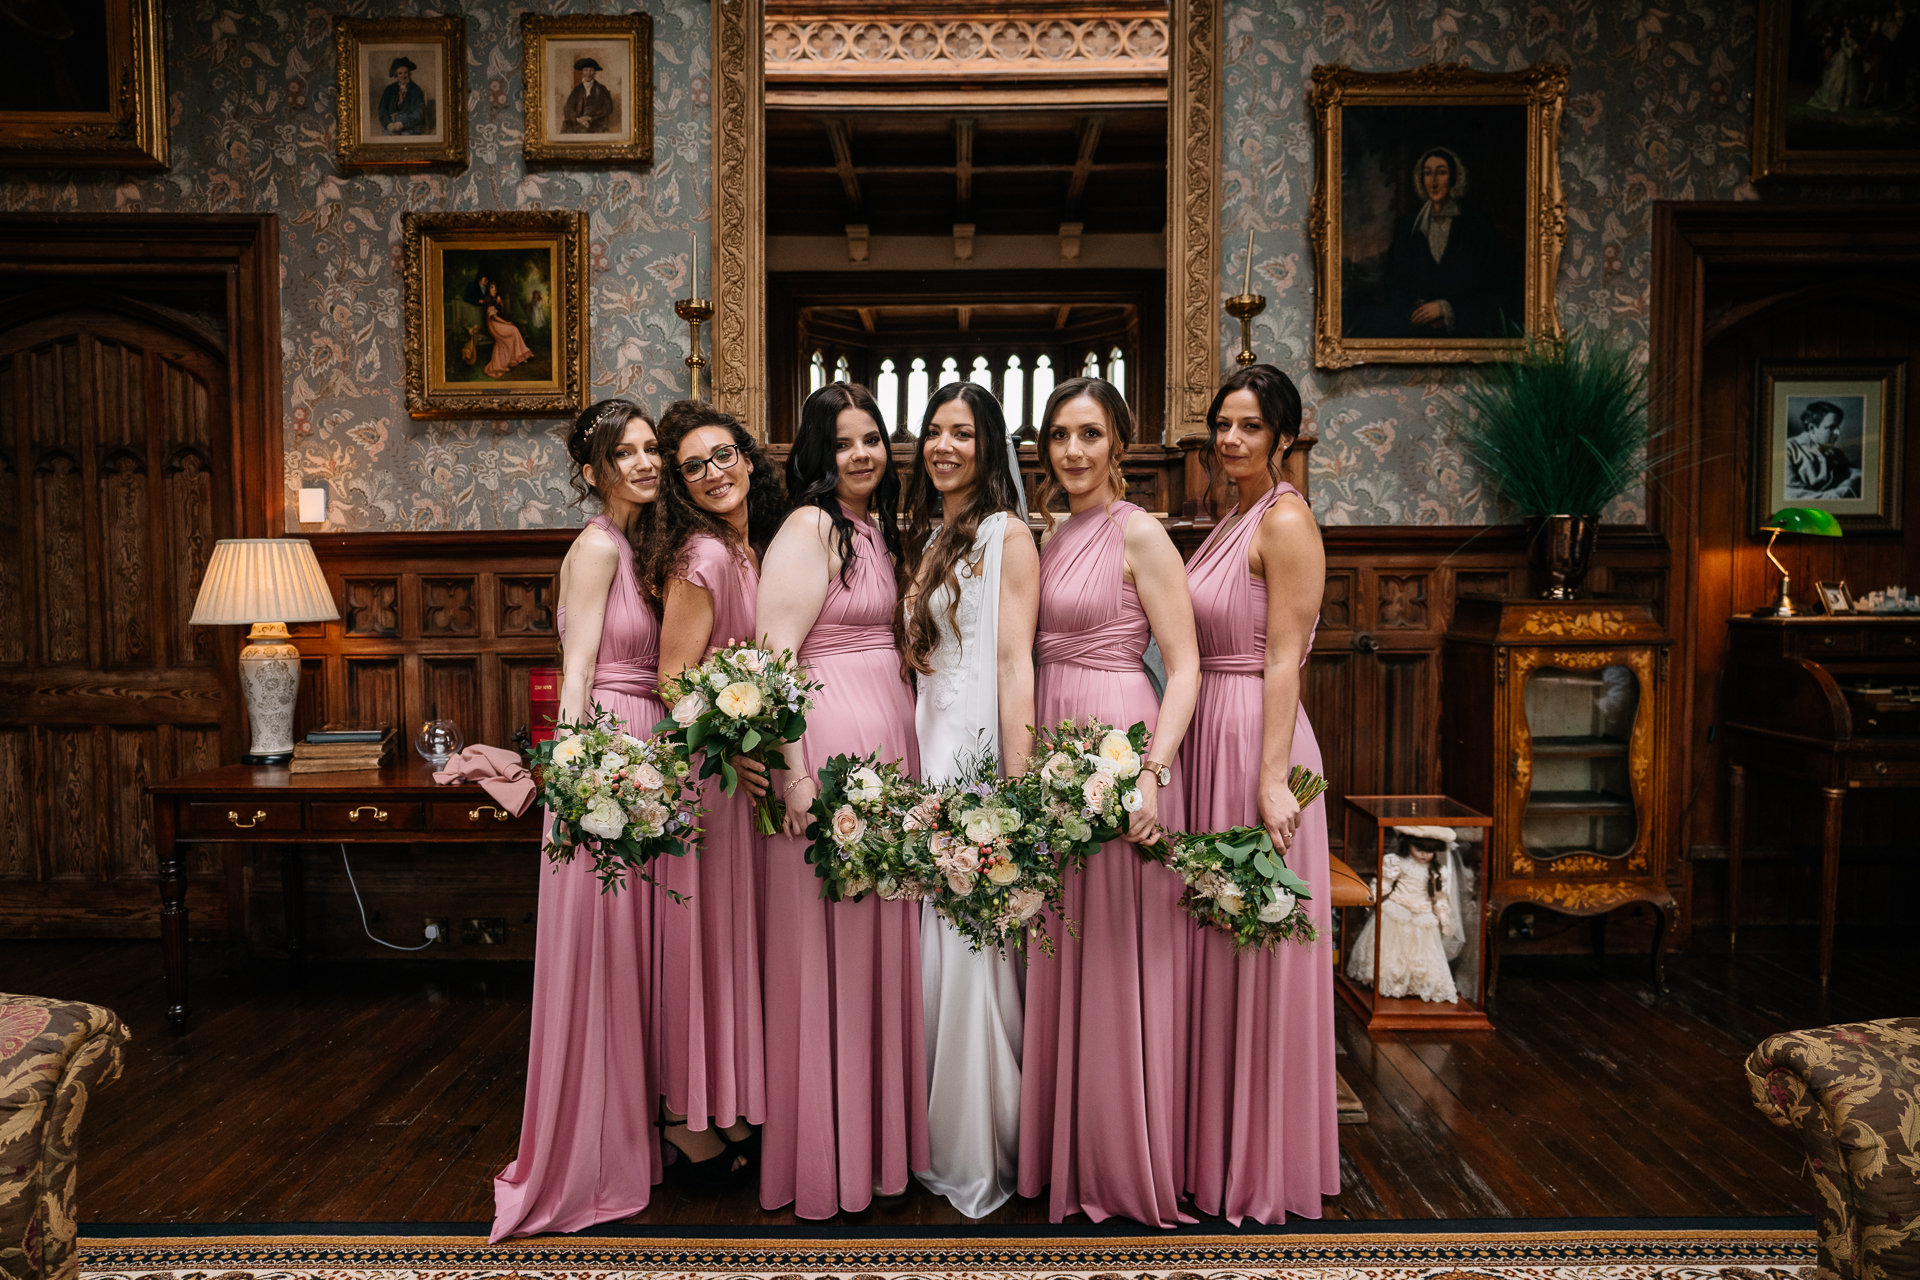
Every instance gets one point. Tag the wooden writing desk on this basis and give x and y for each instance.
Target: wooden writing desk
(248, 804)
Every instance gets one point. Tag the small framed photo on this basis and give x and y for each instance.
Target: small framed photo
(1828, 435)
(1438, 220)
(402, 86)
(496, 314)
(1834, 93)
(588, 85)
(1834, 598)
(85, 85)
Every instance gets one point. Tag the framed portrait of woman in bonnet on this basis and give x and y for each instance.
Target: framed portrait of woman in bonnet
(589, 88)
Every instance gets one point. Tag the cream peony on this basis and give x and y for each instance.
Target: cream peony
(568, 750)
(865, 785)
(848, 826)
(689, 709)
(604, 819)
(739, 700)
(1003, 872)
(1117, 755)
(1275, 912)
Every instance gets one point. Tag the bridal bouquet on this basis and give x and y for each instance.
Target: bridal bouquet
(1238, 883)
(621, 799)
(1085, 789)
(994, 872)
(742, 701)
(863, 820)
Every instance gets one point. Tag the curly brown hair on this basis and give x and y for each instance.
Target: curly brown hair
(680, 517)
(1119, 424)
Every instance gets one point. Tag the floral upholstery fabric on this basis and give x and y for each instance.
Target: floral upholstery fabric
(1851, 1095)
(53, 1053)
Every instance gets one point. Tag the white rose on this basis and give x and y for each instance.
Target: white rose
(1275, 912)
(848, 826)
(569, 750)
(980, 825)
(866, 785)
(1132, 801)
(646, 777)
(1117, 755)
(632, 743)
(719, 680)
(1003, 872)
(689, 709)
(739, 700)
(604, 819)
(612, 761)
(1098, 790)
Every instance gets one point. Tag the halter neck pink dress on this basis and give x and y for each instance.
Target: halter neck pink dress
(847, 1098)
(1262, 1141)
(1103, 1078)
(588, 1149)
(707, 1029)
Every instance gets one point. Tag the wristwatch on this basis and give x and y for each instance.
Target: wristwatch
(1163, 774)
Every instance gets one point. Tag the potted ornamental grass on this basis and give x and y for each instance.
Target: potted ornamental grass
(1560, 430)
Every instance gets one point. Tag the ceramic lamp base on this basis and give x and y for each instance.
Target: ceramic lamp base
(269, 682)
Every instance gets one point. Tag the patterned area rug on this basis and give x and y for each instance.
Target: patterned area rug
(1544, 1255)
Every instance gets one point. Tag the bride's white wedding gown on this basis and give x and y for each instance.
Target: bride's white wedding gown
(973, 999)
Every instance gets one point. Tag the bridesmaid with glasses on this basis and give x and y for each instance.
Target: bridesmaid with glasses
(1103, 1102)
(721, 502)
(847, 1098)
(587, 1149)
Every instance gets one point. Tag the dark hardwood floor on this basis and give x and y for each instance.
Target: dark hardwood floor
(391, 1092)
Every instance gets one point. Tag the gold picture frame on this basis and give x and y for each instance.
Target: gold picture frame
(497, 314)
(588, 88)
(1378, 134)
(108, 60)
(1864, 130)
(402, 92)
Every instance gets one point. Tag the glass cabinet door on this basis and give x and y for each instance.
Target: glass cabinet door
(1581, 801)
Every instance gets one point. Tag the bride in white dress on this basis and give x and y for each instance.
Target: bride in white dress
(971, 609)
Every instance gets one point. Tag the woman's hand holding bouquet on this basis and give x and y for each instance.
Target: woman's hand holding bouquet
(624, 800)
(742, 701)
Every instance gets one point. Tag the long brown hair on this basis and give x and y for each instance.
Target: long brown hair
(993, 491)
(591, 443)
(1119, 432)
(681, 517)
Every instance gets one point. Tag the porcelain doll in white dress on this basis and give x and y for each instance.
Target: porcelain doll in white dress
(1420, 908)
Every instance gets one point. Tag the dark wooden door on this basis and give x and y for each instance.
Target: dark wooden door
(115, 465)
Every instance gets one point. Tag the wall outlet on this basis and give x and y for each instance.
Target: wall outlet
(483, 931)
(439, 929)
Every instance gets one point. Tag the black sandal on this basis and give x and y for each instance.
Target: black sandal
(731, 1168)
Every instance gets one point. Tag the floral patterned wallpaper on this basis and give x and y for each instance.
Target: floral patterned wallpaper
(1659, 108)
(251, 108)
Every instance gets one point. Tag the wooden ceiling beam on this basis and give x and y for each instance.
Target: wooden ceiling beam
(866, 318)
(966, 317)
(963, 167)
(1090, 127)
(841, 139)
(1060, 316)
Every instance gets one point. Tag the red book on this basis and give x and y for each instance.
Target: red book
(543, 702)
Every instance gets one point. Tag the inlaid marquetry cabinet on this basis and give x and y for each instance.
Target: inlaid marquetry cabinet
(1554, 720)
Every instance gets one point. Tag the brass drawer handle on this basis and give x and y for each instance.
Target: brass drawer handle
(499, 815)
(1880, 767)
(233, 816)
(379, 814)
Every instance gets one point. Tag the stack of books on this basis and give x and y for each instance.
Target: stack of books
(543, 698)
(338, 748)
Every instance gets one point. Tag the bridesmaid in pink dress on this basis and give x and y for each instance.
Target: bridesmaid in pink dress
(847, 1098)
(588, 1153)
(1103, 1080)
(721, 500)
(1261, 1135)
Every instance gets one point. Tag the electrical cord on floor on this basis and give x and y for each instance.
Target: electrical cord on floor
(433, 930)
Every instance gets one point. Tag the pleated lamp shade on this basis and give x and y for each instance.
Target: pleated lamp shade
(251, 580)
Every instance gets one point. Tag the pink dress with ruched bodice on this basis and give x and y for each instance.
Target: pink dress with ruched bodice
(707, 1032)
(1103, 1078)
(588, 1149)
(847, 1095)
(1262, 1140)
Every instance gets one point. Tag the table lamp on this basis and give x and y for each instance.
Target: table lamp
(1793, 520)
(248, 580)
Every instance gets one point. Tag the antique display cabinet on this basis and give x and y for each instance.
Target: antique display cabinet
(1554, 722)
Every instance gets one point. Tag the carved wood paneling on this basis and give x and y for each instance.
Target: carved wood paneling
(19, 855)
(738, 227)
(1196, 46)
(1021, 45)
(1403, 601)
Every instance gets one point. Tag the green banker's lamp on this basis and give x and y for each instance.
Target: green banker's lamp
(1793, 520)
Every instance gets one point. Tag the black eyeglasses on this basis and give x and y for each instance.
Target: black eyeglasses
(722, 459)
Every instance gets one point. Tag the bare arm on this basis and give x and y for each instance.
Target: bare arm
(585, 578)
(793, 587)
(686, 624)
(1160, 576)
(1287, 553)
(1019, 616)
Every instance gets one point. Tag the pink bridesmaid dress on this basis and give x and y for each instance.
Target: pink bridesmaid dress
(847, 1098)
(1103, 1077)
(1262, 1140)
(707, 1030)
(588, 1149)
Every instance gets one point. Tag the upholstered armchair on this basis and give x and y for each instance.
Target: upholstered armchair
(1851, 1096)
(53, 1053)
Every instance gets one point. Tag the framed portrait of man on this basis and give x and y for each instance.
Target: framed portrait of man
(403, 90)
(589, 88)
(83, 85)
(1437, 221)
(496, 314)
(1829, 435)
(1837, 92)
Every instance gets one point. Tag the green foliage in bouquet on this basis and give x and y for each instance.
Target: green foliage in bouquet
(622, 800)
(992, 872)
(742, 701)
(1084, 787)
(862, 842)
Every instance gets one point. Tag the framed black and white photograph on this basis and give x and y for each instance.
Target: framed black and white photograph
(1834, 597)
(403, 87)
(589, 88)
(1829, 436)
(1437, 223)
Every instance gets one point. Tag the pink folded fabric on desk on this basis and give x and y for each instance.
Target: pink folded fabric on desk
(500, 773)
